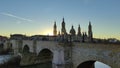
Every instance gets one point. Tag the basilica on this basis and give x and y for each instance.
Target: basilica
(60, 36)
(72, 35)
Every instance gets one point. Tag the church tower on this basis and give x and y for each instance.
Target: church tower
(63, 30)
(90, 34)
(55, 29)
(79, 31)
(72, 31)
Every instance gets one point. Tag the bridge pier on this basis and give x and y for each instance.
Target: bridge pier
(58, 65)
(58, 59)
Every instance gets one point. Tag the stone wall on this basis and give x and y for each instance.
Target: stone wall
(105, 53)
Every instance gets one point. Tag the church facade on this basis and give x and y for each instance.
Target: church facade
(73, 35)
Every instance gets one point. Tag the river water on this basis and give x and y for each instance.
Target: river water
(46, 65)
(49, 65)
(42, 65)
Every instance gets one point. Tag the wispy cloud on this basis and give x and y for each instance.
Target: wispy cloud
(17, 17)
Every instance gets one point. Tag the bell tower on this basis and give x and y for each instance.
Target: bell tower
(55, 29)
(63, 30)
(90, 34)
(79, 31)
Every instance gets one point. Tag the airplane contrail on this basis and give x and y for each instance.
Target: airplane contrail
(17, 17)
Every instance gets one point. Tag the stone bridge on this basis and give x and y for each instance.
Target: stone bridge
(69, 55)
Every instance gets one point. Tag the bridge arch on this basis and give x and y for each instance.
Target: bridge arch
(90, 64)
(2, 49)
(26, 49)
(87, 64)
(1, 46)
(10, 48)
(45, 54)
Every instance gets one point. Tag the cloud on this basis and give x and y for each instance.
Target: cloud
(17, 17)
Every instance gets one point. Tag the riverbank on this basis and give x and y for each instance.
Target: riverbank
(9, 61)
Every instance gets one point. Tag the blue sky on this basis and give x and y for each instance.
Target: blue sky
(32, 17)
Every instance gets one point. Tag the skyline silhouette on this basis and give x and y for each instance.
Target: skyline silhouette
(37, 17)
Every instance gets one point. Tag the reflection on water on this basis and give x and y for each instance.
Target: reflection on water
(42, 65)
(49, 65)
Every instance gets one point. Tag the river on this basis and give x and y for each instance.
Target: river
(49, 65)
(45, 65)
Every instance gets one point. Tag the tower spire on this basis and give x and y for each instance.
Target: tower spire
(63, 29)
(90, 34)
(79, 30)
(63, 18)
(55, 29)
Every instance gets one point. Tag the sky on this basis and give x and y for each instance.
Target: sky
(34, 17)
